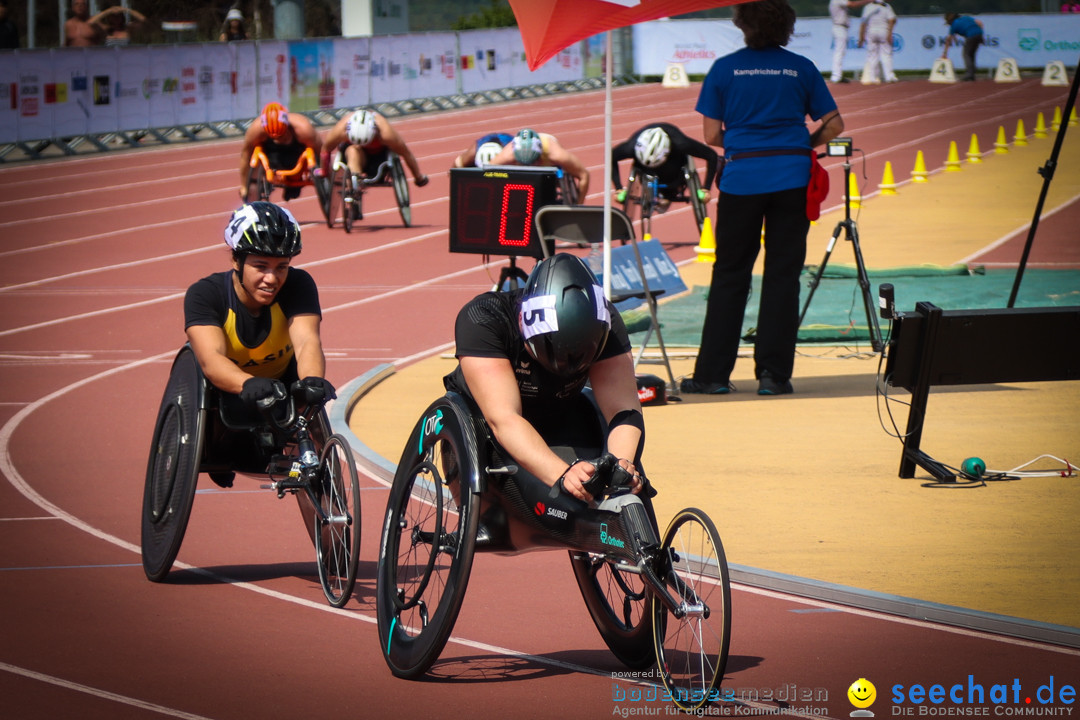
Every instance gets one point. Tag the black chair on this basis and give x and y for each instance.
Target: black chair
(583, 225)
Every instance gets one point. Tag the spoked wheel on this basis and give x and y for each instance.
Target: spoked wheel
(568, 189)
(428, 541)
(337, 543)
(401, 190)
(693, 185)
(172, 471)
(692, 650)
(333, 197)
(259, 187)
(616, 599)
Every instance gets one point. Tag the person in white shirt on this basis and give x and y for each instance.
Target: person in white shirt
(838, 10)
(876, 32)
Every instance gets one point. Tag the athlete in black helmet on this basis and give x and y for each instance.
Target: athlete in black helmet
(524, 357)
(256, 327)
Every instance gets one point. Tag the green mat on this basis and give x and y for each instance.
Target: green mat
(837, 313)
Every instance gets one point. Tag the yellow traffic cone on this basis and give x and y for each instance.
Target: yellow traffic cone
(1072, 117)
(1040, 126)
(1056, 124)
(919, 174)
(853, 191)
(974, 156)
(887, 186)
(952, 163)
(1000, 146)
(706, 249)
(1020, 139)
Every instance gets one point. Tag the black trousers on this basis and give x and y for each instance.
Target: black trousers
(738, 239)
(971, 45)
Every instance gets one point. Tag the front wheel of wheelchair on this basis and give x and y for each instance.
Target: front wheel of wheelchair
(259, 187)
(350, 200)
(172, 470)
(428, 541)
(333, 197)
(337, 539)
(693, 185)
(692, 648)
(617, 602)
(401, 191)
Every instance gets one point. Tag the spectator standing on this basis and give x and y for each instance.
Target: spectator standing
(117, 26)
(878, 20)
(971, 30)
(755, 102)
(81, 30)
(838, 11)
(233, 30)
(9, 34)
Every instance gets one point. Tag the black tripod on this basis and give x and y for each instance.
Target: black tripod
(851, 233)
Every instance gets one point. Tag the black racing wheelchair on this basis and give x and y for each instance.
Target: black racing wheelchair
(643, 195)
(663, 600)
(289, 440)
(345, 192)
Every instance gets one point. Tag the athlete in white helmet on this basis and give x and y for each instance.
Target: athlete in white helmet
(661, 149)
(366, 137)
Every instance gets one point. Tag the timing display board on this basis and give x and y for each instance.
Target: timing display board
(492, 209)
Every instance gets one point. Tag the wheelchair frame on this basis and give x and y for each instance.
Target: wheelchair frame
(302, 458)
(642, 189)
(347, 199)
(653, 600)
(263, 179)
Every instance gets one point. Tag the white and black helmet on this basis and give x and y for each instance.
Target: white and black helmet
(652, 147)
(361, 127)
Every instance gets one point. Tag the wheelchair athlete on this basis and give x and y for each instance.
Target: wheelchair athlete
(661, 149)
(541, 149)
(283, 136)
(366, 138)
(483, 150)
(524, 358)
(254, 329)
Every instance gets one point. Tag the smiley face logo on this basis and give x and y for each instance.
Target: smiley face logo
(862, 693)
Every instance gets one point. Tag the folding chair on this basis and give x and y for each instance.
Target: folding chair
(583, 225)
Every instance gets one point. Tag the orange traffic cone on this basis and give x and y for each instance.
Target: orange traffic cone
(887, 186)
(919, 174)
(952, 163)
(706, 249)
(973, 155)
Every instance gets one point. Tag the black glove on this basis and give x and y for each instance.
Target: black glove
(262, 393)
(314, 389)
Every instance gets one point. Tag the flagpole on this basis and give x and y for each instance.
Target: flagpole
(607, 165)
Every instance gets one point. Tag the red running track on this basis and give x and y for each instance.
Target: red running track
(98, 252)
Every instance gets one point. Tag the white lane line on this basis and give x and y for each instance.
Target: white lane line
(99, 693)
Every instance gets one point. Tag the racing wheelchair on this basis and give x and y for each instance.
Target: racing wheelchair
(643, 195)
(197, 432)
(345, 195)
(262, 179)
(663, 600)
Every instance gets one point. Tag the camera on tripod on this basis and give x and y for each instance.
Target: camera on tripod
(839, 147)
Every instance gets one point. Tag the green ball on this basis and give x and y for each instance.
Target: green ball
(973, 467)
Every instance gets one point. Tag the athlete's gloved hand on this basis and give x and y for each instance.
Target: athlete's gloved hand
(620, 196)
(314, 389)
(703, 195)
(262, 393)
(421, 181)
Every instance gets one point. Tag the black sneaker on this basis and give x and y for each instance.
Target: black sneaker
(690, 386)
(769, 385)
(223, 478)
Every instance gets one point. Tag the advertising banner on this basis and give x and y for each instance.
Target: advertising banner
(352, 61)
(9, 98)
(102, 71)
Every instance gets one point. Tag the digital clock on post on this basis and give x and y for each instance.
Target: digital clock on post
(492, 209)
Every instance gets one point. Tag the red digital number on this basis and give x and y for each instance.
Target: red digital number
(520, 217)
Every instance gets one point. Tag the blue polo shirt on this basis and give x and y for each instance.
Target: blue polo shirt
(762, 97)
(965, 25)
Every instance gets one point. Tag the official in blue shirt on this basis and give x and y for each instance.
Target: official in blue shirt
(971, 30)
(755, 102)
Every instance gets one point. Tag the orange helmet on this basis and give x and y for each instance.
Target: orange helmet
(275, 118)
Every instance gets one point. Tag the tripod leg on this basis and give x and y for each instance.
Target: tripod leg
(864, 282)
(821, 269)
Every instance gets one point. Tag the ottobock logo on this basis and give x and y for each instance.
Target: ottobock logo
(432, 426)
(608, 539)
(1028, 39)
